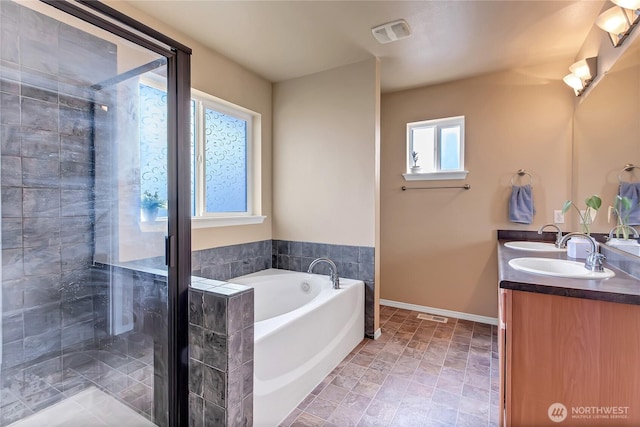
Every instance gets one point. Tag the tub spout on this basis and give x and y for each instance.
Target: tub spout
(335, 280)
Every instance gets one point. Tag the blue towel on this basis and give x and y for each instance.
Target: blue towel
(631, 190)
(521, 204)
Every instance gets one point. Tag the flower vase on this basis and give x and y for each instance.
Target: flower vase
(149, 215)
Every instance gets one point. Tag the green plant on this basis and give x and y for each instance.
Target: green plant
(414, 156)
(593, 203)
(152, 201)
(621, 209)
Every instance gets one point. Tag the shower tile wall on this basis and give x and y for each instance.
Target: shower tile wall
(54, 341)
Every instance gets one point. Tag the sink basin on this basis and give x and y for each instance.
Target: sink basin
(534, 246)
(558, 268)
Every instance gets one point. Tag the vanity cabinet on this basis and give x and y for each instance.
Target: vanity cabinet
(567, 361)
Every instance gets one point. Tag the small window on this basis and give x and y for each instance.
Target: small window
(435, 149)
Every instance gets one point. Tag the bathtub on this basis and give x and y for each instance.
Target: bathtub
(303, 329)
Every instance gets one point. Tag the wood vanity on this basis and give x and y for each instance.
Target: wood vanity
(569, 348)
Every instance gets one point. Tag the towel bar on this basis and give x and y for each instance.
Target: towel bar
(463, 187)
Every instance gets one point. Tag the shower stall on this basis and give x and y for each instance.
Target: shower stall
(93, 295)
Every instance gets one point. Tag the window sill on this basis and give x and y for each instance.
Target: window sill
(160, 225)
(226, 221)
(434, 176)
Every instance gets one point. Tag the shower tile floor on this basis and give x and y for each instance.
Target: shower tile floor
(418, 373)
(90, 407)
(33, 391)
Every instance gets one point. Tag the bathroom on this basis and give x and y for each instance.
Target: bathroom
(356, 204)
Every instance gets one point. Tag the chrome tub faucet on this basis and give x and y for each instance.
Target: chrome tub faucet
(335, 280)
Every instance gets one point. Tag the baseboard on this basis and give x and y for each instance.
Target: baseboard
(441, 312)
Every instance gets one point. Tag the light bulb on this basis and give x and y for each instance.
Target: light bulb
(613, 21)
(581, 70)
(573, 81)
(628, 4)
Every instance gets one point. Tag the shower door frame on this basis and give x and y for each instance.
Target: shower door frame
(178, 240)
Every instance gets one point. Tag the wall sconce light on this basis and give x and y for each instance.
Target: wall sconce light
(620, 20)
(582, 74)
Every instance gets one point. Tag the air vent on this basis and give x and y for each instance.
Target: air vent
(433, 318)
(391, 31)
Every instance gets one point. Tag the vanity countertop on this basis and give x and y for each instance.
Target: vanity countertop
(623, 288)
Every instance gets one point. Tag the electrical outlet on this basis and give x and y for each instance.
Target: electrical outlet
(558, 217)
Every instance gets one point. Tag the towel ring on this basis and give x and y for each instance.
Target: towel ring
(520, 174)
(627, 168)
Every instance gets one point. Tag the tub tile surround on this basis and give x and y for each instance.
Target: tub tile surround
(225, 262)
(353, 262)
(418, 373)
(220, 354)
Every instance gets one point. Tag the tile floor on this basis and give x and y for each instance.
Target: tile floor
(418, 373)
(90, 407)
(32, 390)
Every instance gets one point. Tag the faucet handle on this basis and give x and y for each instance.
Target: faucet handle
(595, 261)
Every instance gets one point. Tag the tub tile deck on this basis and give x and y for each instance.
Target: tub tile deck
(418, 373)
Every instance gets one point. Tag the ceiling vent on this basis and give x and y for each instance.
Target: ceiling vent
(391, 31)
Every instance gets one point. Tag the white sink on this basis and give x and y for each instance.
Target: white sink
(558, 268)
(534, 246)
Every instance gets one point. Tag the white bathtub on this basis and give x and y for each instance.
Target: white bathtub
(303, 329)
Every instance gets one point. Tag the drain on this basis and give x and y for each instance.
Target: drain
(306, 287)
(433, 318)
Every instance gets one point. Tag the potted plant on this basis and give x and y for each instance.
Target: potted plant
(593, 203)
(150, 204)
(621, 209)
(414, 157)
(578, 247)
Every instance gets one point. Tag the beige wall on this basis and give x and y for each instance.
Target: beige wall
(324, 156)
(438, 247)
(216, 75)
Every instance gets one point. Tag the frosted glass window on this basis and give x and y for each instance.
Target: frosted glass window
(194, 164)
(438, 146)
(221, 140)
(450, 148)
(225, 165)
(153, 143)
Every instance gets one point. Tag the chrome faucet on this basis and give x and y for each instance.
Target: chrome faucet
(335, 280)
(594, 259)
(558, 236)
(623, 227)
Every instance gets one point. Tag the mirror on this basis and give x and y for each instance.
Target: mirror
(607, 137)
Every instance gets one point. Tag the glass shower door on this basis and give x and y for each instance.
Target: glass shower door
(85, 186)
